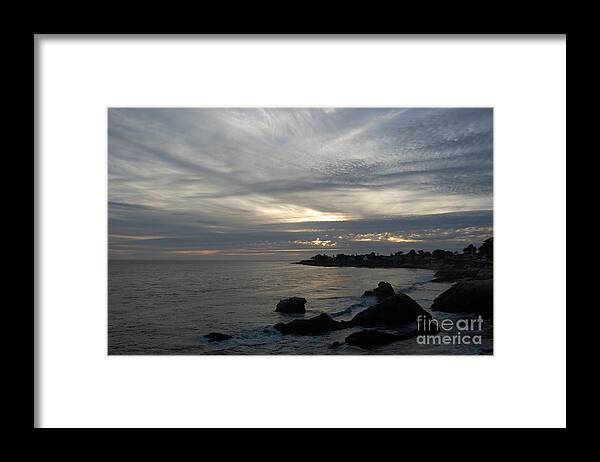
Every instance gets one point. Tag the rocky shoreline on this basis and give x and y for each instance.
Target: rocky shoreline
(396, 316)
(472, 263)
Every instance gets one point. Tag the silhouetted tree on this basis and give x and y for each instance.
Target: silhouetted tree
(439, 253)
(470, 249)
(320, 257)
(487, 248)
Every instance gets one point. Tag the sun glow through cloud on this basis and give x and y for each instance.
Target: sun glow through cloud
(387, 237)
(294, 214)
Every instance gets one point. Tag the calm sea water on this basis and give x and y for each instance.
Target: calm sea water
(166, 307)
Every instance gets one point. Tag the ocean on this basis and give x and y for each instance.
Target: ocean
(166, 307)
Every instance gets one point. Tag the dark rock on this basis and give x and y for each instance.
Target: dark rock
(395, 310)
(217, 337)
(291, 305)
(469, 297)
(371, 338)
(335, 345)
(316, 325)
(382, 291)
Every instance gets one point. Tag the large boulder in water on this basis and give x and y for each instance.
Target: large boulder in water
(317, 325)
(395, 310)
(382, 291)
(371, 338)
(291, 305)
(475, 296)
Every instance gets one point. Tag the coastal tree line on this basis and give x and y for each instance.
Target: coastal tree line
(482, 254)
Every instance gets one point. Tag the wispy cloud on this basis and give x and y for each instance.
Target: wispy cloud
(224, 179)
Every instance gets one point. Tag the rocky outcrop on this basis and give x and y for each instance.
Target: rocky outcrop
(291, 305)
(395, 310)
(317, 325)
(475, 296)
(217, 337)
(371, 338)
(382, 291)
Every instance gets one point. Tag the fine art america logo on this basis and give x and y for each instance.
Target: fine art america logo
(449, 331)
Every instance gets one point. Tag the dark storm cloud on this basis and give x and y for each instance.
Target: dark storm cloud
(219, 181)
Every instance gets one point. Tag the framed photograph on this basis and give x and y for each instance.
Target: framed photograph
(228, 223)
(300, 231)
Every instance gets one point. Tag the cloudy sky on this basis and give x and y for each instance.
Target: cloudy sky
(290, 183)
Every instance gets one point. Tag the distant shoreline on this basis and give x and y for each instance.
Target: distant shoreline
(472, 263)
